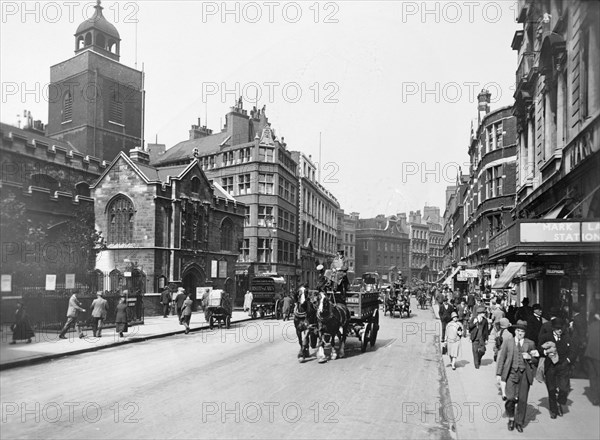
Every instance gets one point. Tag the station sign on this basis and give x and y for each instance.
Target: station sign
(560, 232)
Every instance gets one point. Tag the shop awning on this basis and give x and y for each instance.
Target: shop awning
(507, 275)
(454, 272)
(553, 213)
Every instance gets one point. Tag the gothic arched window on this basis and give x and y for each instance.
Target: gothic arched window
(120, 220)
(227, 235)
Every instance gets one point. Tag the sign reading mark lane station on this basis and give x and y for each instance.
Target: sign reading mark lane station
(560, 232)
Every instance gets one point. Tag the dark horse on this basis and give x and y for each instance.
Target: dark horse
(305, 321)
(333, 320)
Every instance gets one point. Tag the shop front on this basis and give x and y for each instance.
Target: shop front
(555, 262)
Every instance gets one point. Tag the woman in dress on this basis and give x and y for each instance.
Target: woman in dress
(454, 331)
(121, 320)
(21, 328)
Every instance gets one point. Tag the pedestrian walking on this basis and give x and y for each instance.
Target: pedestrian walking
(592, 357)
(179, 299)
(165, 300)
(186, 313)
(535, 323)
(72, 314)
(496, 315)
(546, 329)
(578, 333)
(479, 330)
(22, 327)
(121, 318)
(502, 335)
(463, 315)
(454, 332)
(287, 306)
(557, 368)
(517, 361)
(99, 312)
(471, 302)
(445, 313)
(248, 302)
(524, 312)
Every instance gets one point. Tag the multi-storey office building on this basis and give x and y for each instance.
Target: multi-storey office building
(554, 240)
(255, 167)
(491, 189)
(419, 247)
(318, 220)
(382, 246)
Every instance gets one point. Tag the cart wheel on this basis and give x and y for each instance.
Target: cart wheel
(211, 322)
(374, 331)
(228, 321)
(365, 338)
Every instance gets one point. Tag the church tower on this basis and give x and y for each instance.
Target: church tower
(96, 103)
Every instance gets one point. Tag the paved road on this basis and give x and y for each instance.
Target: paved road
(240, 383)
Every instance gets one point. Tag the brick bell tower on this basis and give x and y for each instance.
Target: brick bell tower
(95, 102)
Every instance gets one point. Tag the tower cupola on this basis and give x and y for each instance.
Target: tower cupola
(98, 34)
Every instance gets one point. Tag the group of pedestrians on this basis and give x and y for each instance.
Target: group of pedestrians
(181, 302)
(530, 346)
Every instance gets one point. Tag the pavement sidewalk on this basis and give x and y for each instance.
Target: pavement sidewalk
(477, 409)
(46, 345)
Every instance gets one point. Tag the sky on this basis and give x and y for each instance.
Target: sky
(389, 87)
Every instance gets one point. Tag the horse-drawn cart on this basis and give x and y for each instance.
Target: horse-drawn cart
(217, 308)
(364, 316)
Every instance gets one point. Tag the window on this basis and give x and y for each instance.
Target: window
(346, 237)
(498, 128)
(116, 109)
(195, 184)
(265, 213)
(494, 181)
(266, 154)
(385, 246)
(287, 190)
(365, 245)
(244, 184)
(67, 107)
(120, 220)
(227, 184)
(247, 216)
(227, 235)
(264, 250)
(245, 250)
(283, 220)
(265, 183)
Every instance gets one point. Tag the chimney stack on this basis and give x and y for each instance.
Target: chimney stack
(140, 156)
(483, 104)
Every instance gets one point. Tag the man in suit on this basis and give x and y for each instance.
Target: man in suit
(592, 357)
(557, 369)
(479, 330)
(546, 328)
(524, 312)
(165, 300)
(517, 361)
(445, 313)
(578, 327)
(99, 312)
(534, 324)
(179, 300)
(72, 314)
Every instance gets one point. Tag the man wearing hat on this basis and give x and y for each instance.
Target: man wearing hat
(557, 366)
(165, 300)
(546, 328)
(445, 314)
(99, 311)
(517, 362)
(339, 266)
(524, 312)
(534, 324)
(479, 330)
(503, 334)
